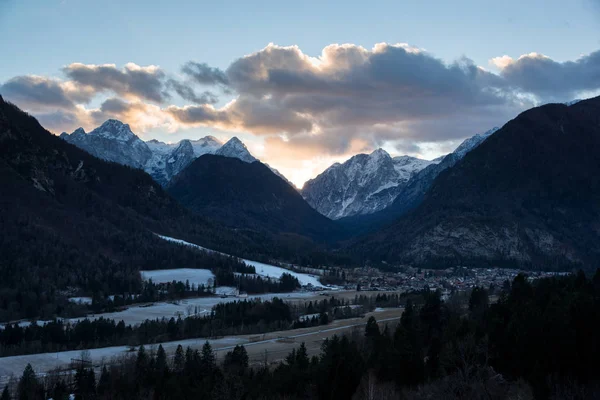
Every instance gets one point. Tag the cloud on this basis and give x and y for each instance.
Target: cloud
(551, 80)
(132, 81)
(244, 114)
(502, 61)
(349, 92)
(186, 92)
(37, 92)
(63, 120)
(204, 74)
(345, 100)
(139, 115)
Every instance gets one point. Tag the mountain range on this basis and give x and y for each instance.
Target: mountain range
(114, 141)
(523, 195)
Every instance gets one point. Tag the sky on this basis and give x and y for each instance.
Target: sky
(303, 84)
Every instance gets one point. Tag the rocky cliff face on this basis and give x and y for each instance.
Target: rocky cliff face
(364, 184)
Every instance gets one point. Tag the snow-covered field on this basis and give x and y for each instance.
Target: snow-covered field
(194, 276)
(261, 268)
(275, 272)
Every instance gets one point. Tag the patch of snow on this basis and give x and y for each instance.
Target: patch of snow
(194, 276)
(226, 290)
(234, 148)
(472, 142)
(81, 300)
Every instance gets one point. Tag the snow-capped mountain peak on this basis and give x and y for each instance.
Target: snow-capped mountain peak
(378, 154)
(114, 129)
(236, 149)
(362, 185)
(114, 141)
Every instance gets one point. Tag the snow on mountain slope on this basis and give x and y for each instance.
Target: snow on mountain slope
(168, 159)
(469, 144)
(112, 141)
(234, 148)
(205, 145)
(364, 184)
(263, 269)
(411, 193)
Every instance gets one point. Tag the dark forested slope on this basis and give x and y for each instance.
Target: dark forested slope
(249, 196)
(529, 195)
(70, 221)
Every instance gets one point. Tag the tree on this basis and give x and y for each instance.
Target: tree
(207, 357)
(161, 361)
(85, 384)
(142, 360)
(302, 360)
(372, 329)
(407, 318)
(478, 302)
(104, 382)
(28, 384)
(236, 360)
(179, 360)
(5, 394)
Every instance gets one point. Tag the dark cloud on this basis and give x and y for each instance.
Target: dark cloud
(131, 81)
(261, 118)
(348, 99)
(351, 96)
(201, 114)
(204, 74)
(60, 120)
(186, 92)
(551, 80)
(35, 92)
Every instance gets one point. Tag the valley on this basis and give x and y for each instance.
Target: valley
(113, 246)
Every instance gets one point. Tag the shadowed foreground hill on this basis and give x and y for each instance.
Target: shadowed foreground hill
(249, 196)
(529, 196)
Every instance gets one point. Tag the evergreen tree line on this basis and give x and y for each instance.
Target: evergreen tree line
(38, 269)
(255, 284)
(233, 318)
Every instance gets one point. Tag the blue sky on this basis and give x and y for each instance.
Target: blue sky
(42, 37)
